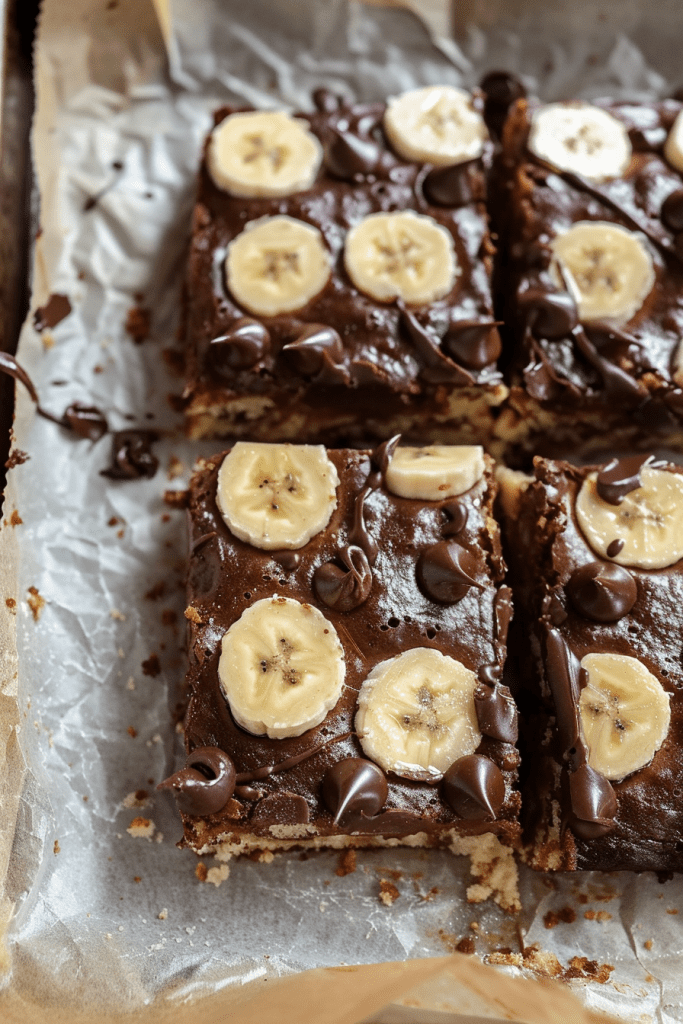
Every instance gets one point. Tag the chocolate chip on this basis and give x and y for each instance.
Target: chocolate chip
(614, 547)
(354, 787)
(474, 788)
(672, 211)
(241, 347)
(317, 347)
(445, 571)
(351, 158)
(453, 186)
(289, 560)
(602, 591)
(496, 709)
(132, 456)
(621, 476)
(205, 784)
(551, 315)
(593, 803)
(457, 513)
(474, 343)
(344, 588)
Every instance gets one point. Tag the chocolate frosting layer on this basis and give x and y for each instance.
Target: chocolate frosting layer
(394, 617)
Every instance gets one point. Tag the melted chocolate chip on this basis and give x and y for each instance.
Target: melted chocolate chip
(454, 186)
(621, 476)
(501, 89)
(475, 788)
(496, 710)
(350, 157)
(86, 421)
(344, 589)
(614, 547)
(326, 101)
(475, 343)
(562, 672)
(602, 591)
(359, 535)
(281, 809)
(241, 347)
(132, 456)
(56, 309)
(502, 609)
(457, 513)
(289, 560)
(618, 384)
(317, 352)
(205, 784)
(593, 803)
(354, 787)
(445, 571)
(551, 315)
(438, 368)
(382, 456)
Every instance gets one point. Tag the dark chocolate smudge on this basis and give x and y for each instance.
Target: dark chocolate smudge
(344, 588)
(205, 784)
(445, 571)
(132, 456)
(354, 787)
(85, 420)
(672, 211)
(496, 709)
(282, 808)
(618, 384)
(593, 803)
(501, 89)
(602, 591)
(550, 314)
(621, 476)
(359, 535)
(474, 788)
(326, 101)
(56, 309)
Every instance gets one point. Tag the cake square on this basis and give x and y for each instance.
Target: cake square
(596, 556)
(346, 649)
(589, 201)
(337, 290)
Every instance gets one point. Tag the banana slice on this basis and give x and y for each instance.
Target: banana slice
(435, 472)
(276, 495)
(673, 147)
(401, 255)
(437, 125)
(625, 714)
(263, 154)
(580, 138)
(281, 668)
(649, 520)
(608, 268)
(277, 265)
(416, 714)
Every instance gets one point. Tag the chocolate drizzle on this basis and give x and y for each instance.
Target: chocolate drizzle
(354, 787)
(593, 804)
(359, 535)
(602, 591)
(474, 788)
(438, 368)
(501, 89)
(244, 345)
(344, 588)
(445, 571)
(621, 476)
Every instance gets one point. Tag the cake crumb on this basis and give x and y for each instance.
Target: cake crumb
(116, 614)
(672, 910)
(139, 798)
(564, 916)
(388, 892)
(597, 915)
(649, 943)
(56, 848)
(193, 615)
(465, 945)
(176, 498)
(347, 863)
(11, 604)
(216, 876)
(132, 731)
(141, 828)
(137, 878)
(138, 324)
(176, 467)
(201, 872)
(35, 602)
(494, 868)
(151, 667)
(15, 519)
(163, 914)
(130, 685)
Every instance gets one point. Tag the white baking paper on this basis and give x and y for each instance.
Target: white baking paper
(102, 918)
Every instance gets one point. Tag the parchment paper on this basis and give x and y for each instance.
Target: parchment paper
(105, 922)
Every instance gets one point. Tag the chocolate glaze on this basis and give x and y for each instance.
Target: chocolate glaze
(244, 345)
(132, 456)
(11, 367)
(621, 476)
(281, 808)
(353, 787)
(389, 369)
(592, 801)
(56, 309)
(602, 591)
(395, 617)
(475, 788)
(446, 571)
(205, 784)
(344, 588)
(359, 536)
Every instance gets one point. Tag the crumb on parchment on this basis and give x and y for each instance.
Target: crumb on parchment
(388, 892)
(141, 828)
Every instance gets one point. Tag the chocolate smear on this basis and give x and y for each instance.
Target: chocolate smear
(438, 368)
(475, 343)
(562, 672)
(11, 367)
(672, 211)
(318, 352)
(550, 314)
(614, 547)
(354, 787)
(445, 571)
(501, 89)
(281, 809)
(454, 186)
(602, 591)
(347, 588)
(381, 457)
(621, 476)
(56, 309)
(351, 158)
(359, 535)
(457, 513)
(132, 456)
(593, 803)
(496, 709)
(85, 420)
(326, 101)
(244, 345)
(618, 384)
(502, 609)
(205, 784)
(474, 788)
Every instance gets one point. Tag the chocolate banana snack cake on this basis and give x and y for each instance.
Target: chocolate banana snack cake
(347, 636)
(339, 277)
(588, 198)
(597, 566)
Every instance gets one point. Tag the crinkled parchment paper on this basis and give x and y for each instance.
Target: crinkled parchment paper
(92, 570)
